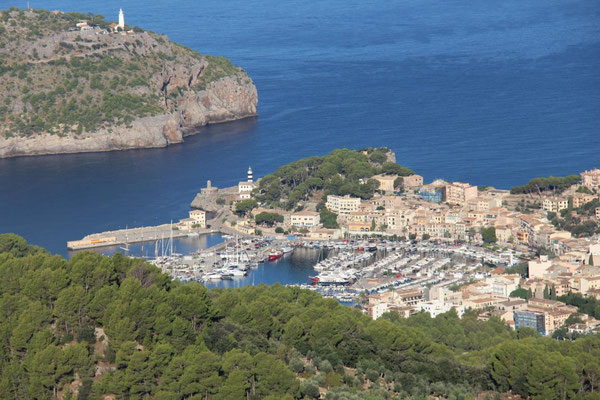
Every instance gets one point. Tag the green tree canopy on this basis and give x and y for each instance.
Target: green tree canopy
(245, 206)
(268, 218)
(160, 338)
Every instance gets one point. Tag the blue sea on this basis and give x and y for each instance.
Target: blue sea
(489, 92)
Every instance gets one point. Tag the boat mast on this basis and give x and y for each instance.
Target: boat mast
(162, 244)
(171, 239)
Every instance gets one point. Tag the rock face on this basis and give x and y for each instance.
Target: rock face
(228, 99)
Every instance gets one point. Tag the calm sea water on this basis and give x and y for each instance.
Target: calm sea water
(487, 92)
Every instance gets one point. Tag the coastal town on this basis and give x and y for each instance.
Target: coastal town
(411, 247)
(413, 219)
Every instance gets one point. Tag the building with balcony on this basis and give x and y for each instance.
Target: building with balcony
(342, 205)
(459, 193)
(305, 219)
(591, 179)
(555, 204)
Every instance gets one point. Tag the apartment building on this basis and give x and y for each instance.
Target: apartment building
(580, 199)
(199, 217)
(485, 203)
(412, 181)
(342, 205)
(459, 193)
(591, 179)
(555, 204)
(387, 202)
(307, 219)
(386, 182)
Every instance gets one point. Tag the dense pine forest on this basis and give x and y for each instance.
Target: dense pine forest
(97, 327)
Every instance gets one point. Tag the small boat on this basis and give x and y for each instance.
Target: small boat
(193, 234)
(227, 276)
(237, 272)
(287, 249)
(274, 255)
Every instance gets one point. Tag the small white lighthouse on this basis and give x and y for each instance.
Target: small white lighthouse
(250, 175)
(121, 19)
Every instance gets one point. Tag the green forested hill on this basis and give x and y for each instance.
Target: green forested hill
(95, 326)
(342, 172)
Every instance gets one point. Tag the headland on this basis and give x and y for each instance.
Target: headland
(78, 83)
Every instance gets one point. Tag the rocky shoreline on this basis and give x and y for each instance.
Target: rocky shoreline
(228, 99)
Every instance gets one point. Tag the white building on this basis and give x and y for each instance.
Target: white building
(305, 218)
(342, 204)
(435, 308)
(196, 220)
(537, 268)
(376, 310)
(199, 217)
(502, 286)
(555, 204)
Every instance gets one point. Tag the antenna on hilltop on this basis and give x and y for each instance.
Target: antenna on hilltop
(28, 5)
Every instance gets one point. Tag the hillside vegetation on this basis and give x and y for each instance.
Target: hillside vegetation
(342, 172)
(59, 80)
(96, 326)
(554, 184)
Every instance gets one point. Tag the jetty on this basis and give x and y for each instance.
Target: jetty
(133, 235)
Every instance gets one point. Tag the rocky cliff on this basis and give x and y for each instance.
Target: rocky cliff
(98, 90)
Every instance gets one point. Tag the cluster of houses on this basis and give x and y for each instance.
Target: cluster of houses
(443, 211)
(491, 297)
(573, 268)
(459, 211)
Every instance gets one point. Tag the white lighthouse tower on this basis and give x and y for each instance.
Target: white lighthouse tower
(121, 19)
(250, 180)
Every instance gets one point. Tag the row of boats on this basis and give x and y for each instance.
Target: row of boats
(235, 261)
(341, 269)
